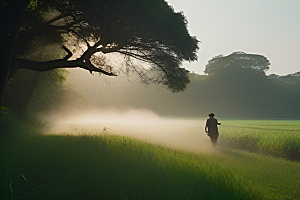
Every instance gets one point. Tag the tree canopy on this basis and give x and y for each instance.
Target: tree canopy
(258, 63)
(147, 31)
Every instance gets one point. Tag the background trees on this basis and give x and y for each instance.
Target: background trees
(258, 63)
(232, 92)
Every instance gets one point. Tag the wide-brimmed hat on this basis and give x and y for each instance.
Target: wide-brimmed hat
(211, 115)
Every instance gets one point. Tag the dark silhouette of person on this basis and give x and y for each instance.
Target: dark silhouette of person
(211, 129)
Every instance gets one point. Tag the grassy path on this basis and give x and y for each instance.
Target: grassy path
(277, 178)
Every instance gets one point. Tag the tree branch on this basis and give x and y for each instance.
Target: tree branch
(56, 18)
(70, 54)
(61, 63)
(108, 50)
(82, 62)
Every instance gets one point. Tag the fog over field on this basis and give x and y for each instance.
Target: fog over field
(119, 106)
(143, 124)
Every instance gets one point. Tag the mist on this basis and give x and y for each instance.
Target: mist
(143, 124)
(231, 93)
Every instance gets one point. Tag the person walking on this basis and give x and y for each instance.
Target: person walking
(211, 129)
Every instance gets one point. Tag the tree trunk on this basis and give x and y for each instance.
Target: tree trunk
(48, 65)
(5, 60)
(9, 26)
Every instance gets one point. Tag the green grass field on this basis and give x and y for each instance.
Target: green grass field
(105, 166)
(275, 137)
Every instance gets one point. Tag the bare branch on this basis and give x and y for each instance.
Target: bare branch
(69, 53)
(56, 18)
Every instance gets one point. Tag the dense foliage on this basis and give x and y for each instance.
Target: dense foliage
(257, 63)
(150, 38)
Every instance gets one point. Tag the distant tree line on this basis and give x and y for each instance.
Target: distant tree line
(240, 88)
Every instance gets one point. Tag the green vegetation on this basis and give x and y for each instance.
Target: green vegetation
(29, 90)
(237, 60)
(275, 137)
(153, 34)
(276, 177)
(108, 167)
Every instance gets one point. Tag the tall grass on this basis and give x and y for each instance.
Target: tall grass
(275, 137)
(105, 166)
(16, 163)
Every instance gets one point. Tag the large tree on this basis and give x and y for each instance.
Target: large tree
(150, 36)
(258, 63)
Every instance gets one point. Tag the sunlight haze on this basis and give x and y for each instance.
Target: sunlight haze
(143, 124)
(99, 100)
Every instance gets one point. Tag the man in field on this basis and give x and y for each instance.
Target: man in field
(211, 129)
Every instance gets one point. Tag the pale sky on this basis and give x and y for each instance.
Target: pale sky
(267, 27)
